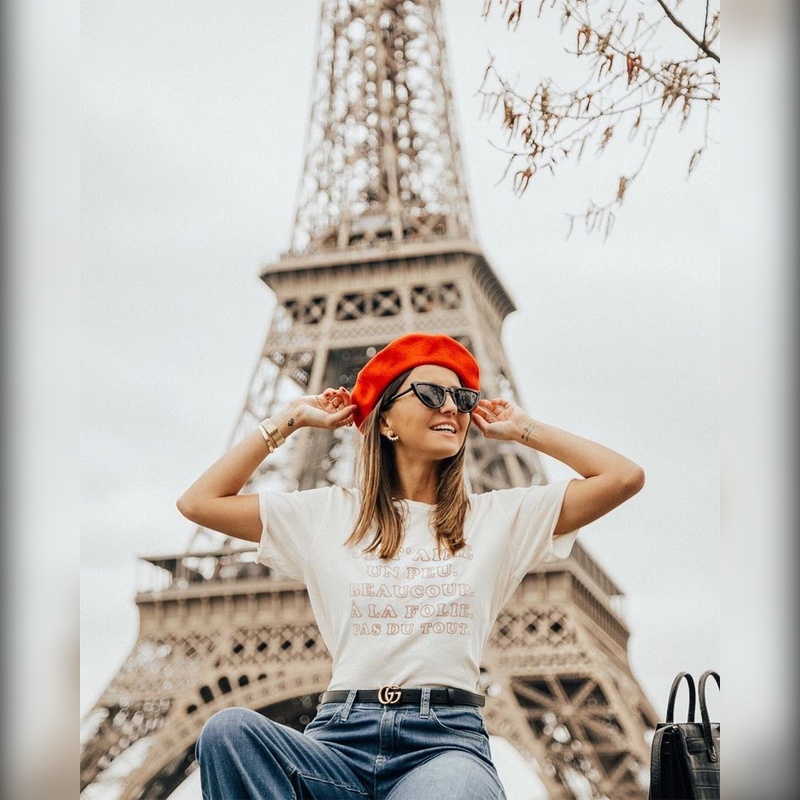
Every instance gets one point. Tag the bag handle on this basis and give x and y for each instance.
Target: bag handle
(710, 745)
(673, 693)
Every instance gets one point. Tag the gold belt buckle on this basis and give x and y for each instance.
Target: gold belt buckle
(389, 695)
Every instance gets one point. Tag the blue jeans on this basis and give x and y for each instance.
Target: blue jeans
(350, 751)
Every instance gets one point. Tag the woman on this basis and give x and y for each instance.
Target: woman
(405, 575)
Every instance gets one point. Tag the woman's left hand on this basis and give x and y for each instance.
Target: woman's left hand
(499, 419)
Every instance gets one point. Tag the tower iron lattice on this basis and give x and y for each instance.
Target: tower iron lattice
(382, 245)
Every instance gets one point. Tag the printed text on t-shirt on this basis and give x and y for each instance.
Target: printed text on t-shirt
(433, 600)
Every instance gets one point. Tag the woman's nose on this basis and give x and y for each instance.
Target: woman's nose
(449, 404)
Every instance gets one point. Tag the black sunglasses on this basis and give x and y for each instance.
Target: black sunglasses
(434, 396)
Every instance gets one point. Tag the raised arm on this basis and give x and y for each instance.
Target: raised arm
(213, 500)
(609, 478)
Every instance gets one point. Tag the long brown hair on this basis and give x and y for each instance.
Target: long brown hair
(378, 481)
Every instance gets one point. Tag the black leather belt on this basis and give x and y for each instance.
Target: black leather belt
(393, 695)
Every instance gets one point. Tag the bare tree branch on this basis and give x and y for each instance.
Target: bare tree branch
(678, 24)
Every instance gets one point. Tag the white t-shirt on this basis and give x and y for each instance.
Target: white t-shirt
(422, 618)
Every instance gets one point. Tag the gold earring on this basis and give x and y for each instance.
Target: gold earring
(390, 435)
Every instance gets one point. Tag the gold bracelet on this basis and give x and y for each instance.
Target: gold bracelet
(271, 430)
(267, 438)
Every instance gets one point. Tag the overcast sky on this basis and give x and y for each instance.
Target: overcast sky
(194, 116)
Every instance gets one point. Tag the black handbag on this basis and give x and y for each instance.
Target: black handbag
(684, 761)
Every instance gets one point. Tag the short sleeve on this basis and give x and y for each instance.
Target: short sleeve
(289, 524)
(534, 515)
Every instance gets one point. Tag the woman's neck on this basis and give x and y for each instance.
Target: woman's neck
(417, 482)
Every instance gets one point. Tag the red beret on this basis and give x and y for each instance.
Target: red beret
(403, 354)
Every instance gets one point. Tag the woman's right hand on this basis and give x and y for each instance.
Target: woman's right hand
(331, 409)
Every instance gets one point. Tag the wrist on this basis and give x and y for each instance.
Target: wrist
(277, 428)
(527, 431)
(289, 418)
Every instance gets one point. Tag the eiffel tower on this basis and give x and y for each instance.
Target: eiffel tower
(382, 245)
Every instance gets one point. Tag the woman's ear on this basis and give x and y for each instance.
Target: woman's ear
(384, 426)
